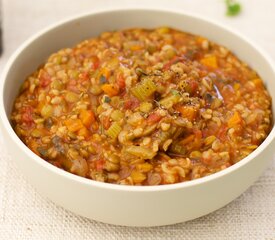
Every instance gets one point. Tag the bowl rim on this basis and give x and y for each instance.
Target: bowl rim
(115, 187)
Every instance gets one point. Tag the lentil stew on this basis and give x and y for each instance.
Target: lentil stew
(143, 107)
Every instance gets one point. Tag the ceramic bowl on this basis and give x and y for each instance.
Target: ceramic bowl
(131, 205)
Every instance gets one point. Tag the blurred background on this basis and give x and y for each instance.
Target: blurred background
(24, 214)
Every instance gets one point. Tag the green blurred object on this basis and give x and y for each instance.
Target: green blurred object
(233, 8)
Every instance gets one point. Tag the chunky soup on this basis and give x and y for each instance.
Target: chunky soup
(143, 107)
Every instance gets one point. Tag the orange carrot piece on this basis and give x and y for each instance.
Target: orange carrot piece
(200, 39)
(236, 86)
(106, 123)
(210, 61)
(83, 132)
(87, 117)
(234, 120)
(187, 140)
(73, 125)
(110, 89)
(258, 82)
(136, 47)
(188, 112)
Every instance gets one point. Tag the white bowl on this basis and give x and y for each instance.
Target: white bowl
(131, 205)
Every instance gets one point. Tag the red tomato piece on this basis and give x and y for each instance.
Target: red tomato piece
(99, 164)
(153, 118)
(96, 62)
(194, 86)
(84, 76)
(131, 103)
(27, 115)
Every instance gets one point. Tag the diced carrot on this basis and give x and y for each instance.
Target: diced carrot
(73, 125)
(258, 82)
(236, 86)
(106, 122)
(188, 139)
(95, 126)
(87, 117)
(234, 120)
(188, 112)
(83, 132)
(136, 47)
(200, 39)
(110, 89)
(209, 61)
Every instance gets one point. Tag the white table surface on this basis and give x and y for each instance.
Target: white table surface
(24, 214)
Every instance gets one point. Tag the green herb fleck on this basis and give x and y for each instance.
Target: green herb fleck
(42, 151)
(107, 99)
(140, 72)
(175, 92)
(233, 8)
(102, 79)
